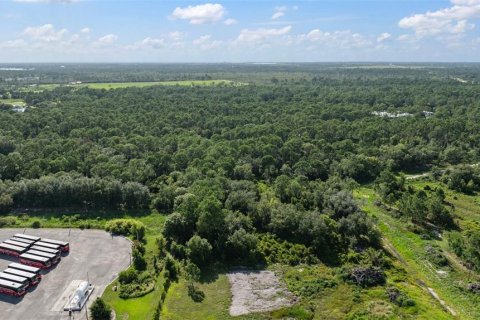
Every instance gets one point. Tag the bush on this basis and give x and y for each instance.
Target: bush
(367, 276)
(139, 262)
(126, 227)
(136, 290)
(128, 276)
(399, 298)
(474, 287)
(36, 224)
(435, 256)
(100, 310)
(7, 222)
(274, 250)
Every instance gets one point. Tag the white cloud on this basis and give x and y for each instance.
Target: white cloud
(278, 15)
(46, 1)
(200, 14)
(451, 20)
(279, 12)
(344, 39)
(45, 33)
(205, 42)
(176, 35)
(148, 43)
(106, 41)
(230, 22)
(261, 34)
(384, 36)
(13, 44)
(85, 30)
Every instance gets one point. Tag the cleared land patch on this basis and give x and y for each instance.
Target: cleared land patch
(257, 291)
(120, 85)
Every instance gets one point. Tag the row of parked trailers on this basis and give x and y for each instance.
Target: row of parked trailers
(35, 253)
(17, 278)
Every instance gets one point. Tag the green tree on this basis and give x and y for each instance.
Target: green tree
(100, 310)
(199, 250)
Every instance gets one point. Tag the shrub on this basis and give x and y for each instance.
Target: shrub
(399, 298)
(128, 276)
(435, 255)
(7, 222)
(100, 310)
(274, 250)
(474, 287)
(126, 227)
(367, 276)
(139, 262)
(36, 224)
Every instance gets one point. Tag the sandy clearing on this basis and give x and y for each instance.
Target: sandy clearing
(257, 291)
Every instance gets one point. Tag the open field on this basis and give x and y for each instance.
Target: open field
(12, 101)
(92, 251)
(120, 85)
(409, 248)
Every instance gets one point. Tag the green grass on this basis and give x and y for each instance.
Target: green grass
(411, 248)
(93, 220)
(179, 306)
(137, 308)
(119, 85)
(13, 101)
(143, 307)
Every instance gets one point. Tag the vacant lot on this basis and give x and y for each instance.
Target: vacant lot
(257, 291)
(91, 251)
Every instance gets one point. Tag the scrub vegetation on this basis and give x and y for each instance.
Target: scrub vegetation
(304, 172)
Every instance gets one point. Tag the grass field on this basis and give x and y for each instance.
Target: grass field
(120, 85)
(411, 249)
(13, 101)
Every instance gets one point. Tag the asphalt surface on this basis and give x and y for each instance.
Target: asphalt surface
(91, 251)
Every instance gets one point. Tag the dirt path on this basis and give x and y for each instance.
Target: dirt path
(391, 249)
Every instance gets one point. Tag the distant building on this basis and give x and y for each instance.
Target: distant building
(427, 114)
(386, 114)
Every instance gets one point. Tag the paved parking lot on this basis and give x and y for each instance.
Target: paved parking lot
(91, 251)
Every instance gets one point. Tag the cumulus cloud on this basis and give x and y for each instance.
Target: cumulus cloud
(148, 43)
(200, 14)
(205, 42)
(262, 34)
(384, 36)
(45, 33)
(176, 35)
(85, 30)
(451, 20)
(342, 38)
(106, 41)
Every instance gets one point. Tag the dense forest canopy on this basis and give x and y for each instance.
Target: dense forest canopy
(263, 172)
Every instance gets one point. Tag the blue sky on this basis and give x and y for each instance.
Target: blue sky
(238, 31)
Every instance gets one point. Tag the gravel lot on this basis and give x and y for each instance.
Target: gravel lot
(257, 291)
(92, 251)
